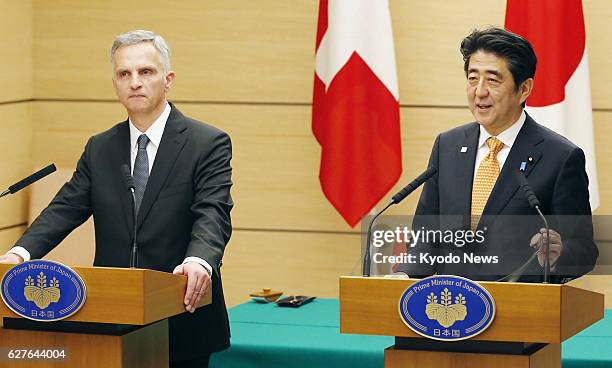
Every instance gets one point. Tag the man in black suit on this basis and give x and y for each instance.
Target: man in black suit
(477, 185)
(182, 201)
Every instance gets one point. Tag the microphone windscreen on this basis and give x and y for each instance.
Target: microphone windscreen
(529, 193)
(127, 176)
(32, 178)
(431, 171)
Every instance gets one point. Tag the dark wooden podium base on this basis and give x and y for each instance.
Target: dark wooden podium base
(547, 357)
(145, 346)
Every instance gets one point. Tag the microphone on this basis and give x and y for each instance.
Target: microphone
(127, 176)
(397, 198)
(535, 203)
(29, 180)
(529, 194)
(431, 171)
(129, 182)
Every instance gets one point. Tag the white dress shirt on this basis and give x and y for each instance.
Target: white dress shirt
(507, 137)
(154, 133)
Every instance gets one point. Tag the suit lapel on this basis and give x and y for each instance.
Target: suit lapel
(507, 184)
(171, 144)
(120, 155)
(464, 170)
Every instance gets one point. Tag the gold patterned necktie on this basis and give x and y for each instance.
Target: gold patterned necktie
(487, 174)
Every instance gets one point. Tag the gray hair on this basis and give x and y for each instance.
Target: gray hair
(138, 36)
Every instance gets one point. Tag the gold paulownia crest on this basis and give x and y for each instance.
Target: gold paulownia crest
(41, 294)
(445, 312)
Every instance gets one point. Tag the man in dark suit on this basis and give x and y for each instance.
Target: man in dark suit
(477, 185)
(182, 176)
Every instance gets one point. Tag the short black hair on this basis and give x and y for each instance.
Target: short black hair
(515, 49)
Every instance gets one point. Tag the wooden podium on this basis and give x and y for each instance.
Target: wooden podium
(123, 322)
(530, 323)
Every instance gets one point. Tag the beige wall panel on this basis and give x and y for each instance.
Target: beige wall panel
(276, 158)
(263, 51)
(62, 129)
(597, 15)
(78, 248)
(222, 50)
(427, 37)
(16, 50)
(295, 263)
(598, 283)
(15, 163)
(277, 141)
(241, 51)
(9, 236)
(603, 134)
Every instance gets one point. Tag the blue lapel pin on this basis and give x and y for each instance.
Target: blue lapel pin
(523, 166)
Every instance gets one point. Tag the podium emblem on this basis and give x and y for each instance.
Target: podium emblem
(43, 290)
(39, 293)
(447, 308)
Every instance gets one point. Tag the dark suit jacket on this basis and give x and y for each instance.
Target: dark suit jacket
(557, 175)
(185, 212)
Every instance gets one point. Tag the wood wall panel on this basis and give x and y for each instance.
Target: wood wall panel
(277, 141)
(276, 158)
(597, 15)
(78, 248)
(15, 163)
(598, 283)
(234, 53)
(9, 236)
(296, 263)
(222, 50)
(603, 149)
(16, 50)
(16, 82)
(263, 51)
(427, 37)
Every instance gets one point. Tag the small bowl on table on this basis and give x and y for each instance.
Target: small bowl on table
(266, 295)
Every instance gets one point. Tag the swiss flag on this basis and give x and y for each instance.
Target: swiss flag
(561, 98)
(355, 110)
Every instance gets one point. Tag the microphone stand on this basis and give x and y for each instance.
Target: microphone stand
(546, 248)
(397, 198)
(367, 256)
(129, 181)
(134, 255)
(535, 203)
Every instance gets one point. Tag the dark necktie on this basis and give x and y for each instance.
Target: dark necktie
(141, 171)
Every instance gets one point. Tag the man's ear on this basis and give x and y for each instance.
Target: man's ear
(525, 89)
(169, 79)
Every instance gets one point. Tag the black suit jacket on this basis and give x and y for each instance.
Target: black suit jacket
(556, 171)
(185, 212)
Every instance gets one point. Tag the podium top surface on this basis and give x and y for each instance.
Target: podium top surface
(537, 313)
(125, 296)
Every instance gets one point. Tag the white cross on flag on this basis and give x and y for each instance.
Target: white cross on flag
(355, 112)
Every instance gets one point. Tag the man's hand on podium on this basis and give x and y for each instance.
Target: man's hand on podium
(11, 258)
(198, 282)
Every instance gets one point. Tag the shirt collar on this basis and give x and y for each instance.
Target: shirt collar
(155, 131)
(508, 136)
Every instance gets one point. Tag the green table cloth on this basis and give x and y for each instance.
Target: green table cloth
(590, 348)
(265, 335)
